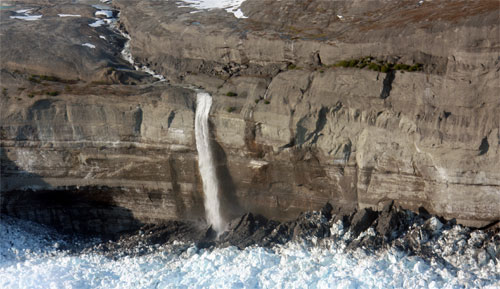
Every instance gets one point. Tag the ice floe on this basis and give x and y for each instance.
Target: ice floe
(231, 6)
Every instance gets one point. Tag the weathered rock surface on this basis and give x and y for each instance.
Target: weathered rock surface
(65, 47)
(294, 133)
(355, 136)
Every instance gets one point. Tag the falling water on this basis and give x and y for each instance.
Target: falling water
(206, 162)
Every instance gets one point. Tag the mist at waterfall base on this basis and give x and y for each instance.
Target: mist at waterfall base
(34, 256)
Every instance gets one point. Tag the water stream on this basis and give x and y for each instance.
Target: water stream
(206, 162)
(202, 132)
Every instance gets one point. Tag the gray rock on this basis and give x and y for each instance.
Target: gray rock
(362, 220)
(302, 132)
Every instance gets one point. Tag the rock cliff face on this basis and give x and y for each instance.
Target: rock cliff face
(291, 129)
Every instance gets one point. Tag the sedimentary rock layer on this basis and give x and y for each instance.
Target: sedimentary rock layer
(291, 130)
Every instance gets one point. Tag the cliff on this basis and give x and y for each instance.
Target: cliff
(349, 102)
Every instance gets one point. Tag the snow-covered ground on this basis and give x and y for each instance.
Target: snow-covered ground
(231, 6)
(32, 256)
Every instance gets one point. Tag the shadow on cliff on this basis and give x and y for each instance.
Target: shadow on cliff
(230, 206)
(71, 210)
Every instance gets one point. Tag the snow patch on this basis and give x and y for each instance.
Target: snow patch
(23, 11)
(69, 15)
(231, 6)
(26, 15)
(98, 23)
(90, 45)
(105, 13)
(256, 164)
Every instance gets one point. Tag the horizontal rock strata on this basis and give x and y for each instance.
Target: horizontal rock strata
(292, 129)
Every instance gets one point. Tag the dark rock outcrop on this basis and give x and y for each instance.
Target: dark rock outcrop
(394, 228)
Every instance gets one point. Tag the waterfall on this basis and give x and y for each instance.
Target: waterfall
(206, 162)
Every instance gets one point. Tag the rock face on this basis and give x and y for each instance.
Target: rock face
(93, 150)
(352, 136)
(291, 130)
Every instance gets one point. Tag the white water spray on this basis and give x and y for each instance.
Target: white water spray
(206, 162)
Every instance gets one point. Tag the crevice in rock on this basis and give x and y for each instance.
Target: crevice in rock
(171, 117)
(317, 59)
(301, 137)
(320, 124)
(308, 86)
(289, 145)
(138, 121)
(386, 89)
(484, 146)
